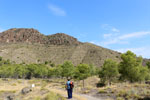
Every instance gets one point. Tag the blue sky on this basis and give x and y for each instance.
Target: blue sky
(119, 25)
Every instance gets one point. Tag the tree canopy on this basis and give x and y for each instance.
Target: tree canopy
(131, 67)
(109, 71)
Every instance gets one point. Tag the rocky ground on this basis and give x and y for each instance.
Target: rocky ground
(54, 89)
(18, 89)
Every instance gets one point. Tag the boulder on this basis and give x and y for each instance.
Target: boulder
(147, 82)
(26, 90)
(11, 97)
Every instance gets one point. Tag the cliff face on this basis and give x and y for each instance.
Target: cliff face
(21, 35)
(61, 38)
(33, 36)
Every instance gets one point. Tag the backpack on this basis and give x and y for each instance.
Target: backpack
(69, 85)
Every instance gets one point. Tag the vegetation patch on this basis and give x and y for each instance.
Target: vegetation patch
(54, 96)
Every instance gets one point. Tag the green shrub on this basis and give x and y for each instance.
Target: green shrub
(102, 91)
(53, 96)
(37, 98)
(120, 98)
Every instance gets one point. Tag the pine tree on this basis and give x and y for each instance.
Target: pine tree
(109, 71)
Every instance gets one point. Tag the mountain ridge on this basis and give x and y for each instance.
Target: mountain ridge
(31, 35)
(30, 46)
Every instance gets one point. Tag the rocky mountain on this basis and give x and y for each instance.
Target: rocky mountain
(30, 46)
(23, 35)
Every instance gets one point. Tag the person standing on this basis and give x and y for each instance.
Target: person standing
(69, 88)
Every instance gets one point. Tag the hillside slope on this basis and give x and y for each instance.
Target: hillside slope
(38, 53)
(30, 46)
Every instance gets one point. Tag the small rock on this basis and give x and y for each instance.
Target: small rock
(147, 82)
(26, 90)
(5, 79)
(10, 97)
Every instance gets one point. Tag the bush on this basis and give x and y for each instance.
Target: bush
(109, 71)
(102, 91)
(82, 72)
(53, 96)
(131, 68)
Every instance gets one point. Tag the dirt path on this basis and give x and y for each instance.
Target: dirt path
(75, 95)
(90, 97)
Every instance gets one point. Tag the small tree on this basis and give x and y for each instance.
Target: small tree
(148, 64)
(52, 64)
(7, 61)
(55, 71)
(109, 71)
(46, 62)
(92, 70)
(67, 69)
(144, 74)
(131, 68)
(31, 69)
(1, 58)
(127, 66)
(58, 71)
(41, 71)
(82, 71)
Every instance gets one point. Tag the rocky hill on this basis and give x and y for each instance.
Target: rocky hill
(23, 35)
(30, 46)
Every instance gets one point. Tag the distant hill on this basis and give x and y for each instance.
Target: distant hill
(23, 35)
(30, 46)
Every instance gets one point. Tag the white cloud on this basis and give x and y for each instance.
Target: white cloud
(56, 10)
(139, 51)
(123, 39)
(96, 43)
(144, 51)
(110, 35)
(92, 42)
(115, 37)
(134, 35)
(1, 30)
(110, 28)
(115, 30)
(105, 26)
(107, 35)
(81, 36)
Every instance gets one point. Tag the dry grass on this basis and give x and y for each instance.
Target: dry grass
(15, 87)
(38, 53)
(127, 91)
(12, 85)
(43, 89)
